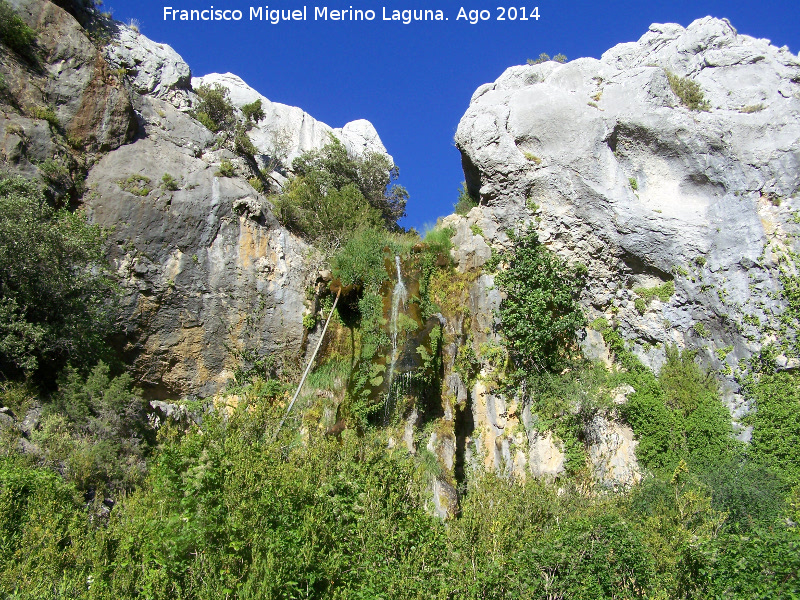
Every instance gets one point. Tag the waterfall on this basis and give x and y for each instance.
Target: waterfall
(399, 295)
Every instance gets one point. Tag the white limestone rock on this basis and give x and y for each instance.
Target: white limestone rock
(289, 130)
(154, 69)
(604, 161)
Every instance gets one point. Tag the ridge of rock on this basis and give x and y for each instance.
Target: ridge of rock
(291, 126)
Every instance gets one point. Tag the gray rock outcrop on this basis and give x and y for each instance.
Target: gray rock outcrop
(154, 69)
(614, 171)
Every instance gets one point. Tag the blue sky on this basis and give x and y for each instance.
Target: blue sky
(414, 82)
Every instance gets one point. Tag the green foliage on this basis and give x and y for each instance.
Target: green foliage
(633, 183)
(540, 314)
(309, 321)
(93, 430)
(242, 144)
(688, 92)
(46, 113)
(169, 183)
(214, 109)
(373, 175)
(466, 363)
(226, 169)
(138, 185)
(56, 299)
(701, 329)
(335, 194)
(543, 57)
(326, 216)
(752, 108)
(677, 416)
(640, 305)
(360, 262)
(560, 58)
(776, 422)
(530, 156)
(253, 112)
(465, 202)
(14, 32)
(663, 292)
(761, 564)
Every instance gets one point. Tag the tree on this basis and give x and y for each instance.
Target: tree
(56, 296)
(373, 174)
(540, 314)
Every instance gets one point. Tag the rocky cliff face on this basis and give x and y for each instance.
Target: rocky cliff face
(685, 216)
(614, 170)
(206, 268)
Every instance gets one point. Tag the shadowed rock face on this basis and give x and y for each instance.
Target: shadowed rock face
(623, 177)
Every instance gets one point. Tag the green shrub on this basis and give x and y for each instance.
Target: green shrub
(663, 292)
(334, 195)
(253, 112)
(46, 113)
(14, 32)
(332, 167)
(360, 262)
(633, 183)
(465, 202)
(169, 183)
(640, 305)
(56, 297)
(776, 422)
(543, 57)
(214, 109)
(540, 314)
(688, 92)
(678, 416)
(530, 156)
(226, 169)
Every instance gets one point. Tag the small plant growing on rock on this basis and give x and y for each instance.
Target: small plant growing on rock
(309, 321)
(543, 57)
(633, 183)
(701, 330)
(688, 92)
(46, 113)
(225, 169)
(560, 58)
(476, 230)
(169, 183)
(752, 108)
(533, 158)
(138, 185)
(640, 305)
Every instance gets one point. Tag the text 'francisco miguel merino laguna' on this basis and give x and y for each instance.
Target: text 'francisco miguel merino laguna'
(323, 13)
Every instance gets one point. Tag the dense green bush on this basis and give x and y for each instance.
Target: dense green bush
(540, 314)
(678, 416)
(332, 168)
(56, 297)
(214, 109)
(14, 32)
(776, 422)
